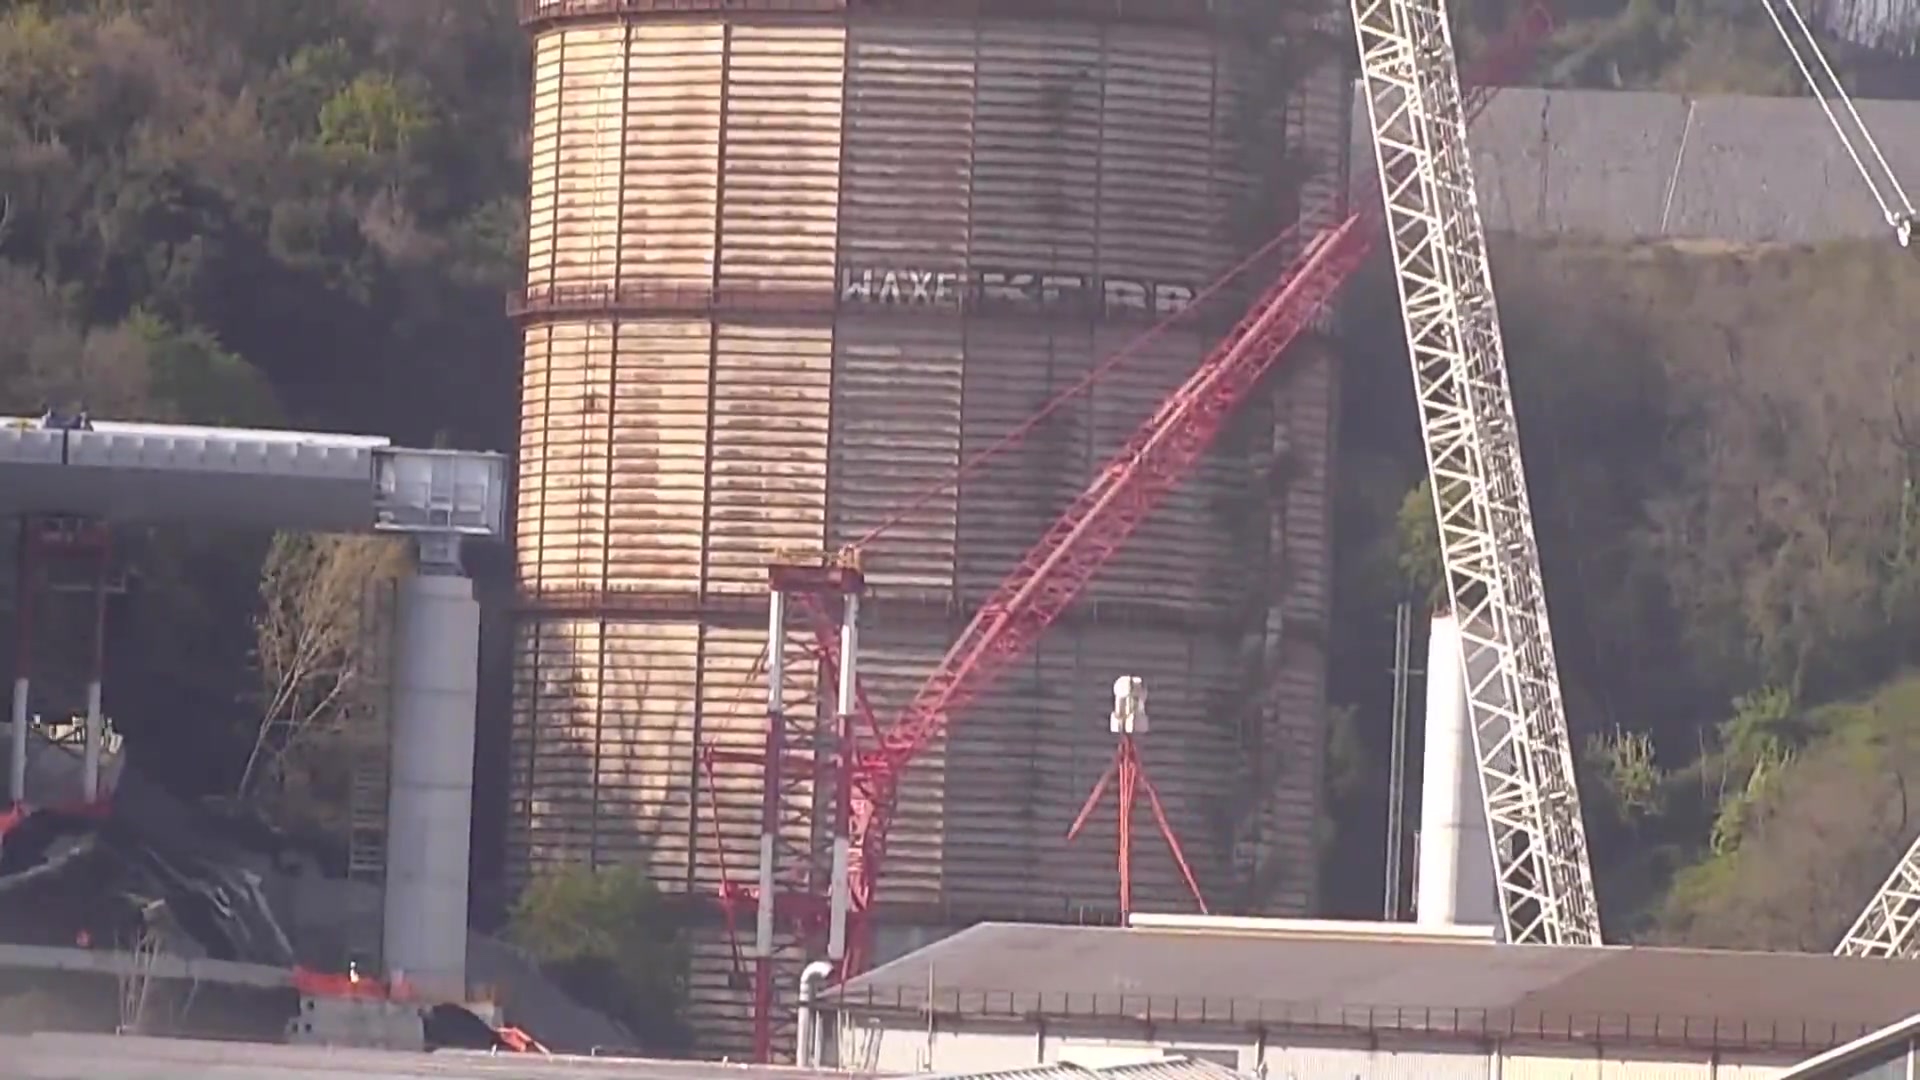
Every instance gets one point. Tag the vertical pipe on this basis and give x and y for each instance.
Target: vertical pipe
(775, 748)
(769, 824)
(96, 679)
(1397, 758)
(840, 896)
(22, 663)
(807, 1052)
(1129, 778)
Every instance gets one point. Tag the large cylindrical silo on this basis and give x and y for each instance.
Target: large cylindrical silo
(790, 267)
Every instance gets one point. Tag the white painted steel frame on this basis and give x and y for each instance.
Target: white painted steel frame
(1473, 456)
(1887, 927)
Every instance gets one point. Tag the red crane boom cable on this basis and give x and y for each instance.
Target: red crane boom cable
(1500, 55)
(1052, 575)
(1154, 460)
(1102, 370)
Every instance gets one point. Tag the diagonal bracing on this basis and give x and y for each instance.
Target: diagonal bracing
(1479, 488)
(1887, 927)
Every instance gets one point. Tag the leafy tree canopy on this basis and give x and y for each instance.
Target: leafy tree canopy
(604, 937)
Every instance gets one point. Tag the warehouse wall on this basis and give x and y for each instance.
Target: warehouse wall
(909, 1045)
(1635, 165)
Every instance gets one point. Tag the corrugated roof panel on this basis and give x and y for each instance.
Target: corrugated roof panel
(47, 1056)
(543, 192)
(896, 435)
(1169, 1067)
(899, 645)
(733, 717)
(657, 462)
(587, 146)
(780, 158)
(670, 184)
(908, 147)
(769, 483)
(1036, 147)
(646, 681)
(1157, 221)
(1039, 1072)
(1190, 554)
(1173, 1067)
(999, 783)
(1306, 978)
(560, 514)
(1007, 504)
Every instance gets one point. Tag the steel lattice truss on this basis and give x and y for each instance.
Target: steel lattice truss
(1887, 927)
(1473, 454)
(1051, 575)
(871, 759)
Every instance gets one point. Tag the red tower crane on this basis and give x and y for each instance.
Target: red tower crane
(1046, 581)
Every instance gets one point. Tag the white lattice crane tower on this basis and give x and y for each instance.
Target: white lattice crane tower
(1487, 546)
(1887, 927)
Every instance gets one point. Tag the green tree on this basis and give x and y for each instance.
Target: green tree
(373, 118)
(605, 936)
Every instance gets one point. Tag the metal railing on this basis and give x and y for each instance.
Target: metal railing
(1550, 1026)
(537, 14)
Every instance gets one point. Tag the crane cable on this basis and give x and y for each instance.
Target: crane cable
(972, 463)
(1901, 214)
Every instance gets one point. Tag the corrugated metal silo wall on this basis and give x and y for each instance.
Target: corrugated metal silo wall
(785, 272)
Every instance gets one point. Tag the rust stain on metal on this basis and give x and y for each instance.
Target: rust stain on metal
(783, 274)
(539, 15)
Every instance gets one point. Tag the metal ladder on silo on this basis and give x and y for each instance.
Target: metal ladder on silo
(369, 745)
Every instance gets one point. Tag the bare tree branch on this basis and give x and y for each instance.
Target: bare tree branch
(308, 644)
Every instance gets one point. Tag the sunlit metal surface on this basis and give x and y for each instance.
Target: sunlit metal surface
(245, 478)
(1474, 467)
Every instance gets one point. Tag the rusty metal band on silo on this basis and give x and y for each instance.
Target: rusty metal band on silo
(791, 262)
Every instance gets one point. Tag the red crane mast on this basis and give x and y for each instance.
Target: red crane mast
(1045, 583)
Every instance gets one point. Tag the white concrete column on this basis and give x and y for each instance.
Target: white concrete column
(96, 720)
(1453, 883)
(90, 755)
(430, 802)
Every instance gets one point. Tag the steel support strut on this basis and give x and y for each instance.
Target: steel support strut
(1474, 469)
(797, 894)
(1129, 774)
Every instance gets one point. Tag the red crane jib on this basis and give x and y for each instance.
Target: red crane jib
(1154, 460)
(1051, 575)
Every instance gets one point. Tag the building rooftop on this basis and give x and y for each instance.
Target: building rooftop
(1171, 1067)
(1279, 975)
(1850, 1059)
